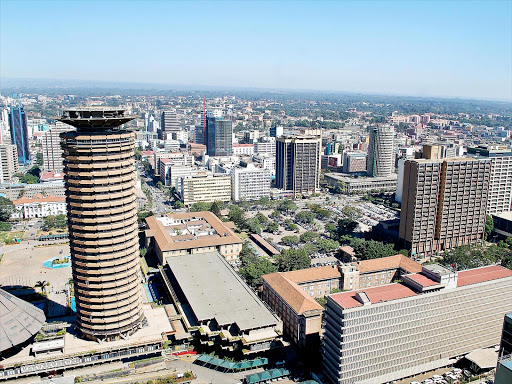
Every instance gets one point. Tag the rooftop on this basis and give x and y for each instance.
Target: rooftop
(504, 215)
(39, 198)
(390, 262)
(162, 229)
(215, 291)
(313, 274)
(479, 275)
(95, 117)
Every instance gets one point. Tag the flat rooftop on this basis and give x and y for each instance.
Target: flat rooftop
(207, 230)
(215, 291)
(504, 215)
(350, 179)
(397, 291)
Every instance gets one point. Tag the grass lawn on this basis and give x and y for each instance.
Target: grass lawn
(53, 231)
(6, 237)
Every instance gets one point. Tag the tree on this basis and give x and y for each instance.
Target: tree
(290, 240)
(178, 204)
(371, 249)
(252, 273)
(262, 219)
(467, 257)
(247, 255)
(404, 252)
(236, 215)
(351, 212)
(61, 221)
(322, 301)
(42, 284)
(286, 205)
(39, 158)
(275, 215)
(142, 215)
(214, 208)
(272, 227)
(345, 227)
(6, 208)
(308, 237)
(143, 252)
(252, 225)
(29, 179)
(159, 185)
(200, 206)
(5, 226)
(489, 226)
(306, 217)
(327, 245)
(292, 260)
(331, 229)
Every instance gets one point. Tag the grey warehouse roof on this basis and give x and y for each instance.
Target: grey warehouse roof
(19, 320)
(215, 291)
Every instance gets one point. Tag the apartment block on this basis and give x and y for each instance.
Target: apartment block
(443, 204)
(249, 183)
(500, 186)
(428, 321)
(9, 165)
(206, 188)
(298, 164)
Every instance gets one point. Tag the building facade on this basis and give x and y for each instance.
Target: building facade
(380, 151)
(261, 147)
(443, 204)
(218, 136)
(243, 149)
(387, 333)
(250, 183)
(206, 188)
(52, 151)
(102, 215)
(168, 124)
(354, 162)
(171, 173)
(39, 206)
(9, 165)
(19, 133)
(298, 164)
(351, 185)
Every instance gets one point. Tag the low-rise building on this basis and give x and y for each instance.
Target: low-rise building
(243, 149)
(355, 185)
(15, 191)
(171, 173)
(354, 162)
(428, 321)
(261, 147)
(203, 187)
(39, 206)
(190, 233)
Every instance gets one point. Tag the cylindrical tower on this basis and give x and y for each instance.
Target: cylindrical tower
(102, 217)
(380, 161)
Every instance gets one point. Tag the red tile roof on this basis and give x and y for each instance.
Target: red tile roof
(425, 281)
(376, 295)
(479, 275)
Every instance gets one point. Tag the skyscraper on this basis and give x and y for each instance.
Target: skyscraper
(219, 135)
(298, 163)
(168, 123)
(19, 132)
(8, 162)
(443, 204)
(380, 151)
(102, 216)
(52, 151)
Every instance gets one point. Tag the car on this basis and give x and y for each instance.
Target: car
(437, 377)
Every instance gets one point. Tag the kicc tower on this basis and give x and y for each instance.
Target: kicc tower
(102, 215)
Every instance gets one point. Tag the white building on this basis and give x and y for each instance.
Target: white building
(261, 147)
(250, 183)
(9, 165)
(243, 149)
(52, 151)
(39, 206)
(267, 162)
(431, 319)
(380, 151)
(206, 188)
(171, 173)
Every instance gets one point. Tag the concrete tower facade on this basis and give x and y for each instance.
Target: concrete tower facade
(380, 151)
(102, 217)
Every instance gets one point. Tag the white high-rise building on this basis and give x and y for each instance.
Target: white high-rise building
(250, 183)
(380, 151)
(52, 151)
(9, 165)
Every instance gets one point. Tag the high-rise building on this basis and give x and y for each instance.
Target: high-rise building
(443, 204)
(168, 124)
(19, 132)
(9, 165)
(298, 163)
(218, 136)
(386, 333)
(276, 131)
(249, 183)
(354, 162)
(207, 188)
(500, 185)
(380, 151)
(199, 134)
(102, 216)
(52, 151)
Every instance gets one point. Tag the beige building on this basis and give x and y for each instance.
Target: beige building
(102, 213)
(203, 187)
(443, 204)
(190, 233)
(430, 320)
(9, 165)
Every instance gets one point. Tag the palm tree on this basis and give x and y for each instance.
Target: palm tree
(42, 284)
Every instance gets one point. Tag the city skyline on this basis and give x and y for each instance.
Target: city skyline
(448, 49)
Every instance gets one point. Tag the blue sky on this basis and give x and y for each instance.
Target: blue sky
(436, 48)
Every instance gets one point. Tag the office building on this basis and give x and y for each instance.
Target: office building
(276, 131)
(19, 133)
(9, 165)
(439, 151)
(199, 134)
(218, 135)
(443, 204)
(354, 162)
(15, 191)
(298, 164)
(168, 124)
(102, 215)
(171, 173)
(428, 321)
(243, 149)
(500, 186)
(250, 183)
(261, 147)
(503, 223)
(266, 161)
(190, 233)
(52, 151)
(380, 161)
(206, 188)
(356, 185)
(504, 370)
(39, 206)
(506, 336)
(217, 307)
